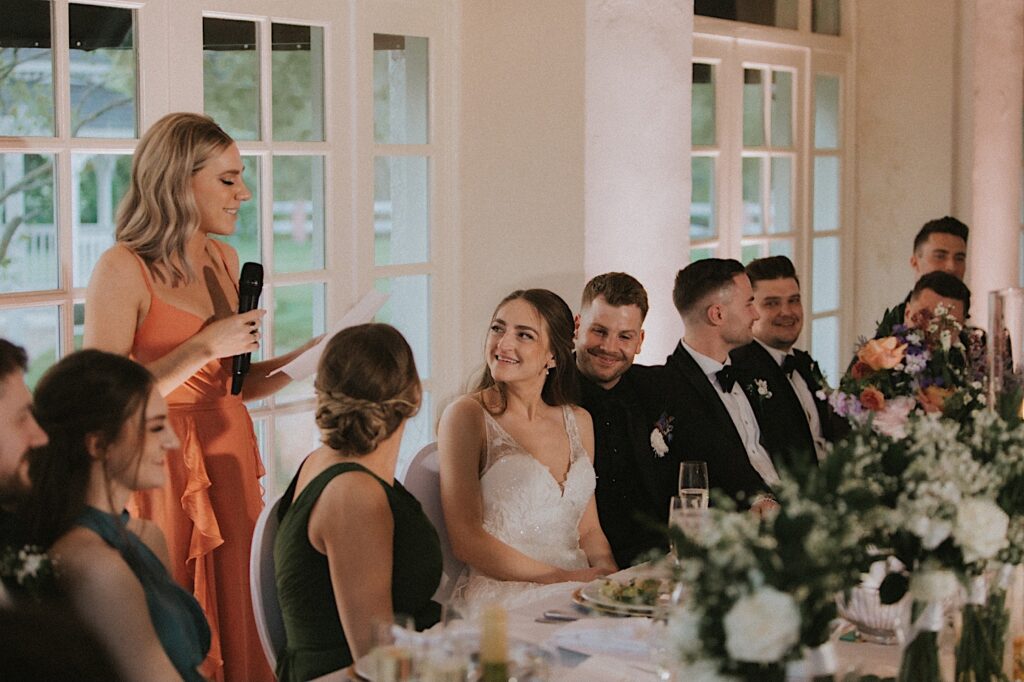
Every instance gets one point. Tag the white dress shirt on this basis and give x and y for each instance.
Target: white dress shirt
(742, 414)
(803, 394)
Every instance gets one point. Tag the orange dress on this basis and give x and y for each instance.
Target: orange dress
(209, 504)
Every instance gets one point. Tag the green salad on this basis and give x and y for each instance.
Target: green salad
(637, 591)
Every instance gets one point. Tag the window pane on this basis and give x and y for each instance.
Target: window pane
(825, 277)
(28, 258)
(299, 315)
(781, 195)
(752, 210)
(37, 330)
(753, 108)
(701, 253)
(826, 17)
(295, 436)
(826, 112)
(100, 181)
(782, 109)
(401, 210)
(702, 199)
(297, 81)
(78, 312)
(418, 432)
(400, 89)
(826, 193)
(779, 13)
(825, 347)
(408, 310)
(26, 83)
(102, 71)
(231, 76)
(246, 239)
(749, 252)
(298, 213)
(781, 247)
(703, 105)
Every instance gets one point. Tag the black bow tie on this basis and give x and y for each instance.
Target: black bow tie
(792, 362)
(726, 378)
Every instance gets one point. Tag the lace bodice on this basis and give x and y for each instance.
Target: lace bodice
(526, 508)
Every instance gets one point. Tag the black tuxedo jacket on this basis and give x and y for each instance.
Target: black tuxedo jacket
(633, 484)
(784, 427)
(702, 428)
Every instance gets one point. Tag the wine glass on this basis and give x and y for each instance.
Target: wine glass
(693, 484)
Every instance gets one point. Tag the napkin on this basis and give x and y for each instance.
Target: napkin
(619, 637)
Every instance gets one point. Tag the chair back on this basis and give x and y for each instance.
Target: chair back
(423, 479)
(263, 584)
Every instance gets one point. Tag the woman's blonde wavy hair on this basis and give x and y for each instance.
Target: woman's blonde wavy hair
(158, 214)
(366, 386)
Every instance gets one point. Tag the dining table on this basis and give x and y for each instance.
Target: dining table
(590, 645)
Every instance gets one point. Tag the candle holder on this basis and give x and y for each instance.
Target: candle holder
(1005, 344)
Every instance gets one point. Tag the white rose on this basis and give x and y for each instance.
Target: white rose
(933, 532)
(933, 586)
(980, 528)
(658, 443)
(762, 627)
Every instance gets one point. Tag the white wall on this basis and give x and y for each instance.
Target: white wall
(520, 157)
(906, 140)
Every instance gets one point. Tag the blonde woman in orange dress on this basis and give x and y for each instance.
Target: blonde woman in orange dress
(167, 294)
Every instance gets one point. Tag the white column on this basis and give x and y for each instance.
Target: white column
(637, 147)
(997, 95)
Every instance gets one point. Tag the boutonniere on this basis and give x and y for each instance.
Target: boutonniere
(759, 389)
(824, 389)
(29, 569)
(661, 435)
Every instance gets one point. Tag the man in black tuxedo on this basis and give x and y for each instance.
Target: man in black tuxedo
(633, 485)
(709, 415)
(18, 433)
(795, 418)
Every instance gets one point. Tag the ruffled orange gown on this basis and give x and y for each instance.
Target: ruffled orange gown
(208, 507)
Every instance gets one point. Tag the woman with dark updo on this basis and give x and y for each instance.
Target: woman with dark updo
(354, 547)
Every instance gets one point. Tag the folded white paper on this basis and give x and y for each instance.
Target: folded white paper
(619, 637)
(305, 365)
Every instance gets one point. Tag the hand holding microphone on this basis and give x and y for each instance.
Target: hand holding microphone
(250, 286)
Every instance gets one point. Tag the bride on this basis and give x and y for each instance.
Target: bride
(517, 480)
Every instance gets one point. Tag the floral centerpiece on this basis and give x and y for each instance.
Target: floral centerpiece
(760, 593)
(923, 367)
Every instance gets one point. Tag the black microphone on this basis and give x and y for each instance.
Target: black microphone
(250, 285)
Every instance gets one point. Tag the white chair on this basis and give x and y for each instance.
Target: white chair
(263, 584)
(423, 479)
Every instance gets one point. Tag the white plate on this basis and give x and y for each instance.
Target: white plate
(590, 596)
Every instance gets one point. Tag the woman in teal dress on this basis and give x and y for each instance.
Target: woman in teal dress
(353, 546)
(108, 437)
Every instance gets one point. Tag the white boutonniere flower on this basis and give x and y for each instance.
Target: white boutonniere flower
(762, 388)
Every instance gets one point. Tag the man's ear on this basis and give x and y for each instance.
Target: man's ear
(913, 261)
(714, 314)
(576, 328)
(640, 345)
(95, 446)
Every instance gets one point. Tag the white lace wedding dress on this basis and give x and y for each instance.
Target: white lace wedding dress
(526, 508)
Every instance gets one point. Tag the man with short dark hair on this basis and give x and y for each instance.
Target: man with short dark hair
(18, 433)
(794, 417)
(633, 487)
(934, 289)
(709, 414)
(940, 245)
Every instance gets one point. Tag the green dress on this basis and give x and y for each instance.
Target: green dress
(316, 643)
(180, 624)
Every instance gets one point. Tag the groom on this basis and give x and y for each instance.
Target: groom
(704, 413)
(633, 484)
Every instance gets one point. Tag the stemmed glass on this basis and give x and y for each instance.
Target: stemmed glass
(693, 484)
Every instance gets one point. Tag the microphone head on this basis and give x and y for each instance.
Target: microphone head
(251, 280)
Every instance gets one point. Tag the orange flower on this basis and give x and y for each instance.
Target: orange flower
(933, 398)
(882, 353)
(860, 370)
(872, 399)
